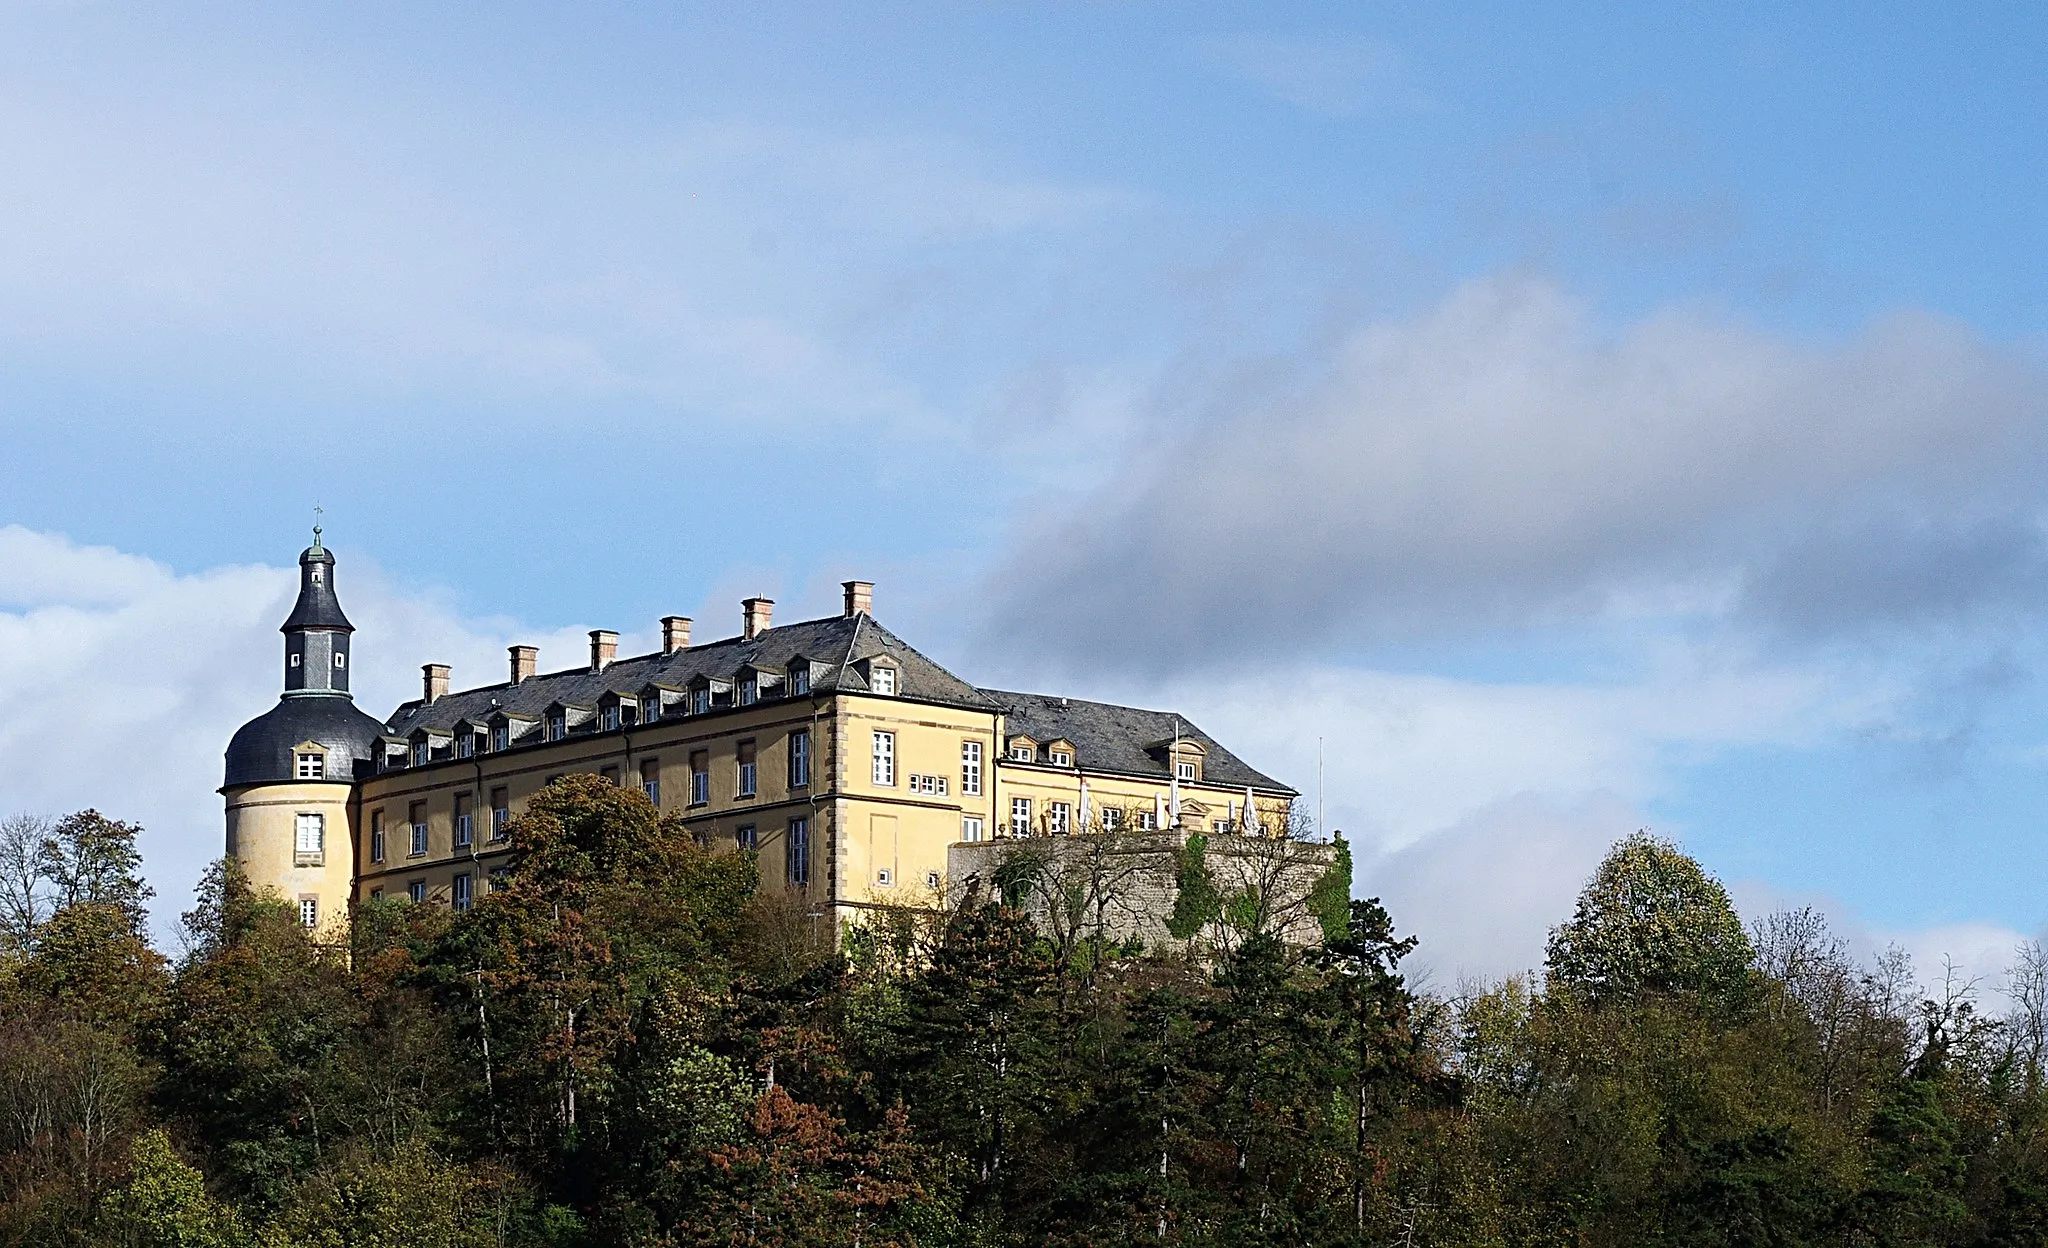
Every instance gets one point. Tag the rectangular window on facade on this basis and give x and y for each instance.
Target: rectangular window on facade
(800, 680)
(465, 833)
(931, 880)
(312, 766)
(797, 852)
(748, 772)
(1148, 821)
(970, 828)
(700, 778)
(1186, 772)
(461, 895)
(883, 680)
(1060, 758)
(498, 880)
(376, 836)
(885, 758)
(745, 837)
(310, 841)
(650, 779)
(1020, 816)
(416, 891)
(1056, 814)
(970, 768)
(501, 812)
(1112, 818)
(416, 815)
(800, 759)
(309, 911)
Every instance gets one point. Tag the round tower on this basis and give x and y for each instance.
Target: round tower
(291, 771)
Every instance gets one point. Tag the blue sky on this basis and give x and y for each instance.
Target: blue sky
(1576, 416)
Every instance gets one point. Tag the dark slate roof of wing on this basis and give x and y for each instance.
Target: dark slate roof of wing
(833, 645)
(1122, 738)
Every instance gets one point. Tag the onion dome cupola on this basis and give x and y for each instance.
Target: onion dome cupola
(316, 714)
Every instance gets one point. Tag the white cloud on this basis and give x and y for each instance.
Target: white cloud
(1336, 75)
(1499, 462)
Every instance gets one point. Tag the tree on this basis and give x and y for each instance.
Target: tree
(1650, 920)
(164, 1204)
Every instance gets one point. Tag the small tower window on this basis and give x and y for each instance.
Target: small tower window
(311, 840)
(309, 911)
(293, 661)
(341, 660)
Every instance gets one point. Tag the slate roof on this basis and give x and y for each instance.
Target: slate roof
(1122, 738)
(317, 606)
(834, 646)
(261, 750)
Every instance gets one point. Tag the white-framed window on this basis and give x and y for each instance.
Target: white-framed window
(1148, 821)
(417, 816)
(884, 758)
(971, 828)
(309, 911)
(800, 759)
(1020, 816)
(970, 768)
(700, 779)
(796, 860)
(310, 837)
(1060, 758)
(1057, 817)
(934, 786)
(1022, 754)
(464, 829)
(885, 877)
(882, 679)
(312, 766)
(1112, 818)
(416, 891)
(292, 661)
(746, 837)
(1186, 772)
(341, 659)
(800, 680)
(376, 836)
(749, 772)
(462, 894)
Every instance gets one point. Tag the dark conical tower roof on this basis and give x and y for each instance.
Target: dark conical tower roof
(316, 707)
(317, 606)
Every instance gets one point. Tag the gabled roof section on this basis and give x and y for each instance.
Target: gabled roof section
(1124, 739)
(834, 646)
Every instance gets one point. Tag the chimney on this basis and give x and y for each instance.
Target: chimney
(675, 633)
(525, 661)
(754, 617)
(434, 682)
(604, 647)
(860, 598)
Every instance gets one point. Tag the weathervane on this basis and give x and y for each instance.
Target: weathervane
(317, 513)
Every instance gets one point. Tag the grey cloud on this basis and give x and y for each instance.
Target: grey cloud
(1499, 462)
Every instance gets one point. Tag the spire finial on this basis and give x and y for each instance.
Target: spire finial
(318, 512)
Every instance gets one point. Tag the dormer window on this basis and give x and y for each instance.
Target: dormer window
(800, 680)
(650, 708)
(700, 701)
(420, 753)
(1023, 753)
(1060, 758)
(312, 765)
(465, 745)
(1185, 771)
(750, 691)
(611, 717)
(501, 738)
(882, 680)
(558, 726)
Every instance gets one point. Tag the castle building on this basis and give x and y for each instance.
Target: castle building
(846, 760)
